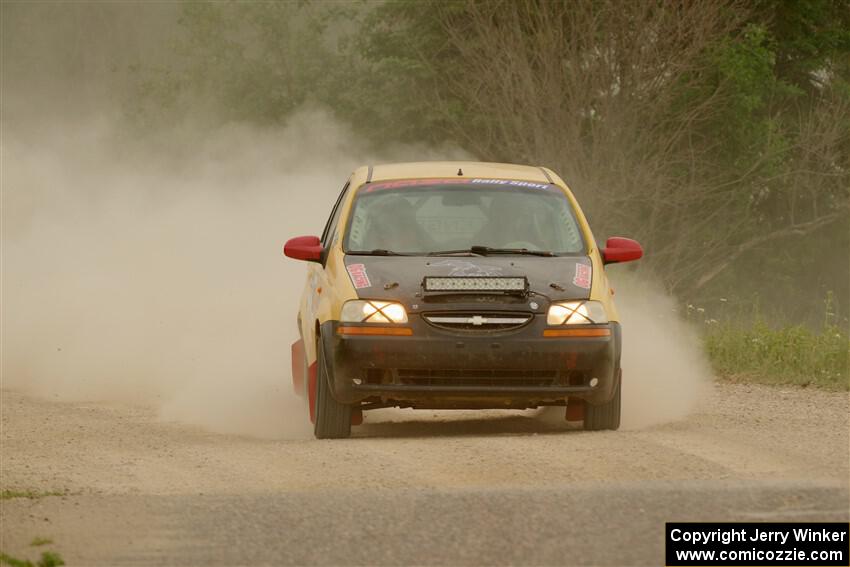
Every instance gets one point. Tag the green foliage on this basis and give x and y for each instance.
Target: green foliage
(48, 559)
(788, 355)
(746, 64)
(716, 133)
(14, 562)
(255, 62)
(741, 138)
(744, 67)
(810, 35)
(39, 541)
(30, 494)
(392, 98)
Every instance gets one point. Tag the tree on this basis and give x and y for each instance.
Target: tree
(711, 131)
(253, 62)
(676, 123)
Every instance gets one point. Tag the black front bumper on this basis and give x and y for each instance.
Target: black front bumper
(437, 368)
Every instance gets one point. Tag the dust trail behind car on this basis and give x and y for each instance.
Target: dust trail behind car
(665, 370)
(151, 272)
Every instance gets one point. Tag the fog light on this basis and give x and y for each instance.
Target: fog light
(594, 382)
(357, 381)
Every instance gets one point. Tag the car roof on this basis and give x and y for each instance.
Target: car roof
(442, 169)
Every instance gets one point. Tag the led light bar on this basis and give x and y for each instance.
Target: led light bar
(479, 283)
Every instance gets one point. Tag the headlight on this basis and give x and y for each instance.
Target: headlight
(576, 313)
(369, 311)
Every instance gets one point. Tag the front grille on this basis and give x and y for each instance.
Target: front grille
(477, 321)
(447, 377)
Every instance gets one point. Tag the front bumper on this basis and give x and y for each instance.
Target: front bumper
(435, 368)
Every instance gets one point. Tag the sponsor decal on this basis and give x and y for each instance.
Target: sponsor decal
(466, 268)
(512, 183)
(453, 181)
(583, 275)
(358, 275)
(415, 183)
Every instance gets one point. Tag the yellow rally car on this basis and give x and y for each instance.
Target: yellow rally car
(457, 285)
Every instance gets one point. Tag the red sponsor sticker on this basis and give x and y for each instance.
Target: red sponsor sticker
(359, 277)
(582, 277)
(416, 183)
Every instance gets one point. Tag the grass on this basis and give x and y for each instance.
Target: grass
(743, 347)
(31, 494)
(788, 355)
(48, 559)
(39, 541)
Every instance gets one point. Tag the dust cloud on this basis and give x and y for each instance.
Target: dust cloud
(665, 371)
(151, 272)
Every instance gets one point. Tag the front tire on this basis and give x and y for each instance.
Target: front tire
(607, 415)
(333, 419)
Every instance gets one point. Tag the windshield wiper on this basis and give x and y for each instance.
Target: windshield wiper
(465, 251)
(378, 252)
(485, 250)
(471, 251)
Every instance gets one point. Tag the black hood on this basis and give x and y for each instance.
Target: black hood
(399, 278)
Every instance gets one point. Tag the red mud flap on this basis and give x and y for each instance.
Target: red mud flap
(304, 386)
(311, 390)
(298, 383)
(575, 407)
(297, 362)
(356, 414)
(575, 410)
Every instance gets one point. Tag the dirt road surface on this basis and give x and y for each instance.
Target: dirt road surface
(459, 488)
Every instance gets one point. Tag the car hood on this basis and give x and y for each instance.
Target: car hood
(399, 278)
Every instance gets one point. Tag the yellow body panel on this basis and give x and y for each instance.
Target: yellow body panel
(328, 288)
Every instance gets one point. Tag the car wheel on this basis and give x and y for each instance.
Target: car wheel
(333, 419)
(607, 415)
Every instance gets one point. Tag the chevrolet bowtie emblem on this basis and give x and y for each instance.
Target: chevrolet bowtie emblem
(477, 320)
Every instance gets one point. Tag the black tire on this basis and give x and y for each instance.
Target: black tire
(333, 419)
(604, 416)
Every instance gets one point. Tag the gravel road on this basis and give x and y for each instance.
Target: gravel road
(459, 488)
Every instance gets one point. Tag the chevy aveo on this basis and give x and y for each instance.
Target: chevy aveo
(457, 285)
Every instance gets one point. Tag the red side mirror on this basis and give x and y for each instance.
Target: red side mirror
(304, 248)
(619, 249)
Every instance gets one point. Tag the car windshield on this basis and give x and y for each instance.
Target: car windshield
(451, 216)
